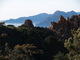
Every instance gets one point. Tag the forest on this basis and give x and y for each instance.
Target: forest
(60, 41)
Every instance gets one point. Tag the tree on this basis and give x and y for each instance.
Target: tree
(73, 45)
(24, 52)
(60, 56)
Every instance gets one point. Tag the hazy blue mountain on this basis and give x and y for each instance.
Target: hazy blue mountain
(18, 20)
(43, 19)
(78, 12)
(54, 18)
(36, 18)
(69, 14)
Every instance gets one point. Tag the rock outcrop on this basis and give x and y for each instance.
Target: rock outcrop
(28, 23)
(68, 23)
(63, 26)
(2, 23)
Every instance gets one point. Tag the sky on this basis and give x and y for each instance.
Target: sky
(12, 9)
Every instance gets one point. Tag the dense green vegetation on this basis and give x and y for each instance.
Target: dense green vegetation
(28, 43)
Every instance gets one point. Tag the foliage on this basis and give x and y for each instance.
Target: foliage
(18, 38)
(73, 45)
(60, 56)
(20, 52)
(11, 26)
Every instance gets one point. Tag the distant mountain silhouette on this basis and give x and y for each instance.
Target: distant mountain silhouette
(54, 18)
(78, 12)
(36, 18)
(43, 19)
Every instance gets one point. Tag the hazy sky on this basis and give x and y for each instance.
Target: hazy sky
(19, 8)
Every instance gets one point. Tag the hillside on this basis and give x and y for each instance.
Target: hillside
(61, 41)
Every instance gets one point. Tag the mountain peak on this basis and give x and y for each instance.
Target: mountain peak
(71, 11)
(55, 17)
(58, 12)
(43, 14)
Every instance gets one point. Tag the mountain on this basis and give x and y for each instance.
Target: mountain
(78, 12)
(43, 19)
(54, 17)
(36, 18)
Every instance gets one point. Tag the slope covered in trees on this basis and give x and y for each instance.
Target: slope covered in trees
(27, 42)
(42, 38)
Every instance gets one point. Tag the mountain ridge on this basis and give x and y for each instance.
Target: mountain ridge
(43, 19)
(35, 18)
(54, 17)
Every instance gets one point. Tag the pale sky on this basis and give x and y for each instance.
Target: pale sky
(23, 8)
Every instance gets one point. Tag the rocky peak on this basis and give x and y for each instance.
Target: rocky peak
(61, 17)
(28, 23)
(67, 19)
(79, 16)
(61, 20)
(64, 26)
(2, 23)
(68, 23)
